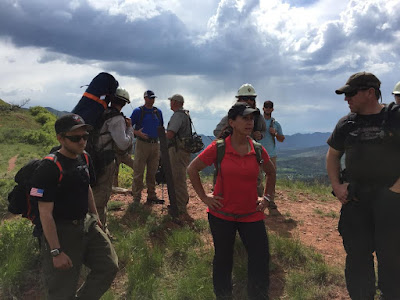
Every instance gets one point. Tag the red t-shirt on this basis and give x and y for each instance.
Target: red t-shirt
(236, 181)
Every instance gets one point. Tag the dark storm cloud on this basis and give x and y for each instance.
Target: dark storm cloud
(143, 47)
(162, 45)
(89, 34)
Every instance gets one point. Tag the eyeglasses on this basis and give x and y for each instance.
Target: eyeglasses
(396, 95)
(77, 138)
(268, 106)
(247, 98)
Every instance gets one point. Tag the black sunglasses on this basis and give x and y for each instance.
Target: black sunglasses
(77, 138)
(246, 98)
(353, 93)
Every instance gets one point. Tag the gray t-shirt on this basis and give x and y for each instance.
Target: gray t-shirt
(180, 124)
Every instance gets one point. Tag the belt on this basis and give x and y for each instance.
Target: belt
(73, 222)
(235, 216)
(149, 140)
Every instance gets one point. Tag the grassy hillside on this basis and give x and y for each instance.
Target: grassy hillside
(24, 135)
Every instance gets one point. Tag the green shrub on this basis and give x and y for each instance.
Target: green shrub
(36, 137)
(43, 118)
(18, 254)
(11, 135)
(36, 110)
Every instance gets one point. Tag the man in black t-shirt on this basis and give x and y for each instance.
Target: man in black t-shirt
(370, 190)
(71, 228)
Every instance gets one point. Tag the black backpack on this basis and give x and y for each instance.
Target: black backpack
(19, 200)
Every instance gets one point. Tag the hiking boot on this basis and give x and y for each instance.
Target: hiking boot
(183, 219)
(132, 207)
(273, 212)
(151, 201)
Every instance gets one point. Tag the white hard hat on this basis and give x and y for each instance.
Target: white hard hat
(396, 89)
(122, 94)
(246, 90)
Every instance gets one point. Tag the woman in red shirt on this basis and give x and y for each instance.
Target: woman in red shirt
(235, 206)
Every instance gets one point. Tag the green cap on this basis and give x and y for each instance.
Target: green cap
(358, 81)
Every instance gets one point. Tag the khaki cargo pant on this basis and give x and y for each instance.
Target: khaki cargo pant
(84, 244)
(146, 155)
(179, 162)
(102, 191)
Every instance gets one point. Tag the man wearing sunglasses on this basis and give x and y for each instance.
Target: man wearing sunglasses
(116, 134)
(247, 95)
(370, 190)
(72, 233)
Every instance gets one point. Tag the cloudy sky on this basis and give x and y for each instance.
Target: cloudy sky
(294, 52)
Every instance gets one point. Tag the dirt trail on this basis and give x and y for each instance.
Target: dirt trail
(11, 163)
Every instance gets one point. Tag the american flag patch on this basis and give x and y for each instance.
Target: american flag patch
(36, 192)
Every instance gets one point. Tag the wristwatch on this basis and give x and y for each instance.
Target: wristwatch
(266, 198)
(55, 252)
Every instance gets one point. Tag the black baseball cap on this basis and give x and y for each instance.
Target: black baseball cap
(149, 94)
(359, 81)
(241, 109)
(268, 103)
(70, 122)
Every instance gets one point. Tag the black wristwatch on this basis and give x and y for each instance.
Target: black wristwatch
(55, 252)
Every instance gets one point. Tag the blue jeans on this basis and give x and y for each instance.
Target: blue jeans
(372, 224)
(255, 240)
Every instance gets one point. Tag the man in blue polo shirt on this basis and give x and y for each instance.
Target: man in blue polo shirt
(146, 119)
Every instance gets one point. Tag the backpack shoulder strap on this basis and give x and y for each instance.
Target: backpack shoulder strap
(139, 123)
(220, 154)
(156, 111)
(53, 157)
(272, 123)
(86, 156)
(258, 150)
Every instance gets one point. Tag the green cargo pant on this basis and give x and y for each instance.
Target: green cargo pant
(87, 244)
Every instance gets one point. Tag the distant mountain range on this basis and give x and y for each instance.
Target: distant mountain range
(301, 156)
(292, 142)
(57, 112)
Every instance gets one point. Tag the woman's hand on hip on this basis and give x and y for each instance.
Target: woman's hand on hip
(212, 201)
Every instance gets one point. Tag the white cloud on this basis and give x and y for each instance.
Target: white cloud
(294, 55)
